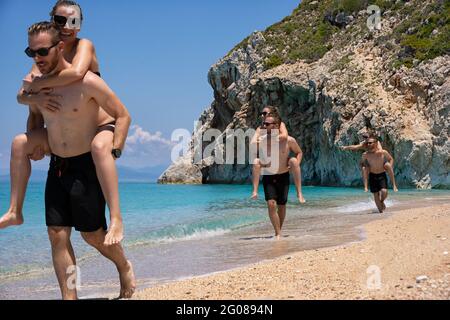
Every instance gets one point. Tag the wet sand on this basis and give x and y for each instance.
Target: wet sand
(388, 264)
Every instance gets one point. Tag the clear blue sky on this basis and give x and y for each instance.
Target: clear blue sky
(154, 54)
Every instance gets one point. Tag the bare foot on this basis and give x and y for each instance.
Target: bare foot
(277, 237)
(127, 282)
(395, 189)
(11, 219)
(300, 198)
(115, 233)
(366, 189)
(383, 207)
(254, 195)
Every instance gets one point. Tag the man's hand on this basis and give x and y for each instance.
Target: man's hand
(38, 154)
(35, 84)
(47, 100)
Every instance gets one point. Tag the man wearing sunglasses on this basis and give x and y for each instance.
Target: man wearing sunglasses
(293, 164)
(73, 196)
(276, 174)
(374, 160)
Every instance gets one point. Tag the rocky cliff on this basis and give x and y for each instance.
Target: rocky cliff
(333, 76)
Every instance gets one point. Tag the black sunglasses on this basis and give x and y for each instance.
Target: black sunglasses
(43, 52)
(264, 113)
(69, 22)
(60, 20)
(267, 123)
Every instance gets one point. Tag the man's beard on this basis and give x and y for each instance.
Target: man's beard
(52, 65)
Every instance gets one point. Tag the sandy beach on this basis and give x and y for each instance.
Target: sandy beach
(404, 256)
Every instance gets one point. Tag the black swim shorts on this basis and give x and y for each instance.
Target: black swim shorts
(276, 187)
(377, 181)
(73, 196)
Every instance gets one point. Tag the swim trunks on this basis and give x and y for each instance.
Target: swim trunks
(377, 181)
(73, 196)
(276, 187)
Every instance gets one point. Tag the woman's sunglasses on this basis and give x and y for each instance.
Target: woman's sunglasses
(43, 52)
(265, 124)
(264, 113)
(61, 21)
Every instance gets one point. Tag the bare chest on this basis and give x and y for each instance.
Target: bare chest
(375, 158)
(73, 104)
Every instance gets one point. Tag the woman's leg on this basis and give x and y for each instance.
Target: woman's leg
(22, 148)
(294, 168)
(101, 148)
(365, 175)
(256, 173)
(390, 171)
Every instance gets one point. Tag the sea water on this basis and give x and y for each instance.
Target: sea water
(178, 231)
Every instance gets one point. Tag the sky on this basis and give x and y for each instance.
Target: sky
(155, 55)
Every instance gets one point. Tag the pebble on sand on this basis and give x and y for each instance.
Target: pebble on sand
(421, 279)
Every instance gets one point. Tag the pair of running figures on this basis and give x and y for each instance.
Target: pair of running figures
(64, 92)
(375, 163)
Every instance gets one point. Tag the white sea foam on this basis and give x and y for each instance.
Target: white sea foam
(196, 235)
(363, 206)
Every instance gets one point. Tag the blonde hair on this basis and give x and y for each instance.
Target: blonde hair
(45, 26)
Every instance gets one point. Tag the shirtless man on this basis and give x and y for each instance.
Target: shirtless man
(33, 145)
(276, 173)
(388, 166)
(293, 164)
(73, 196)
(374, 159)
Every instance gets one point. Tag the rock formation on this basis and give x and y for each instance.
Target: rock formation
(363, 79)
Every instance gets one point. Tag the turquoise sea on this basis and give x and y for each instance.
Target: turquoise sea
(178, 231)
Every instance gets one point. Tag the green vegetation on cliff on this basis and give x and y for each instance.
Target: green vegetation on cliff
(421, 32)
(424, 34)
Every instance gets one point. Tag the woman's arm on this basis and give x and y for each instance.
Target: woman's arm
(80, 66)
(283, 132)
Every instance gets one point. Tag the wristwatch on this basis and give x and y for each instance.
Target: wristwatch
(116, 153)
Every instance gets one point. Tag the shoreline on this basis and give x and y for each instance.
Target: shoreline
(395, 250)
(315, 227)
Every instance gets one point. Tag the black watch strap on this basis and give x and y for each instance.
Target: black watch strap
(116, 153)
